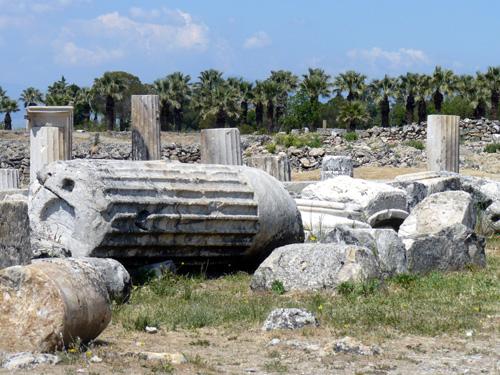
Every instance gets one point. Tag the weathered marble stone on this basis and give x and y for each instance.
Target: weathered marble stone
(443, 143)
(305, 267)
(277, 166)
(333, 166)
(46, 146)
(47, 305)
(146, 138)
(128, 210)
(9, 179)
(14, 233)
(291, 318)
(376, 204)
(221, 146)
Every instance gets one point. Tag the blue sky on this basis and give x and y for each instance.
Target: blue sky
(80, 39)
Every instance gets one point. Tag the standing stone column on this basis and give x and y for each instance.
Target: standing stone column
(337, 165)
(221, 146)
(46, 146)
(146, 136)
(9, 179)
(277, 166)
(443, 143)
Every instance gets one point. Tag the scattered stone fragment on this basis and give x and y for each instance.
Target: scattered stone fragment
(151, 330)
(291, 318)
(15, 246)
(311, 266)
(173, 358)
(337, 165)
(350, 346)
(95, 359)
(438, 211)
(385, 243)
(26, 360)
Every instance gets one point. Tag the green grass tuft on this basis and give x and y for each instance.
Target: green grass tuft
(415, 144)
(351, 136)
(492, 148)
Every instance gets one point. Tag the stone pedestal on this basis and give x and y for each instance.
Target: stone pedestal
(221, 146)
(277, 166)
(58, 117)
(46, 146)
(9, 179)
(443, 143)
(146, 136)
(334, 166)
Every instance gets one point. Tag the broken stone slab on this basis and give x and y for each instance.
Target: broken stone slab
(490, 219)
(306, 267)
(454, 247)
(385, 243)
(337, 165)
(319, 217)
(47, 305)
(380, 205)
(14, 195)
(295, 187)
(152, 209)
(28, 361)
(290, 318)
(15, 247)
(438, 211)
(277, 166)
(418, 186)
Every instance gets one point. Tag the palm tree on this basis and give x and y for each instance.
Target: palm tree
(422, 91)
(382, 91)
(351, 82)
(473, 91)
(84, 99)
(287, 83)
(8, 106)
(315, 84)
(491, 80)
(258, 99)
(163, 88)
(406, 91)
(245, 90)
(271, 93)
(111, 88)
(59, 93)
(181, 89)
(443, 83)
(353, 113)
(31, 96)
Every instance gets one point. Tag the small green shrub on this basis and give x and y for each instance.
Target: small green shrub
(415, 144)
(246, 129)
(405, 280)
(492, 148)
(294, 140)
(271, 148)
(278, 287)
(351, 136)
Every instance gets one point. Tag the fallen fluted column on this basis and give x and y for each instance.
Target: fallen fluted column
(134, 209)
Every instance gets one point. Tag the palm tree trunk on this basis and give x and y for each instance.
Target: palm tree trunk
(438, 100)
(220, 120)
(384, 112)
(123, 124)
(422, 111)
(164, 117)
(110, 112)
(7, 121)
(410, 107)
(270, 116)
(259, 114)
(350, 97)
(178, 119)
(352, 126)
(495, 95)
(244, 112)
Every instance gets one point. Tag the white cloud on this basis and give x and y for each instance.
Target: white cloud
(401, 58)
(137, 12)
(71, 54)
(258, 40)
(181, 32)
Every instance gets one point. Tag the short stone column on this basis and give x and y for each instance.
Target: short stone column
(46, 146)
(60, 117)
(146, 136)
(443, 143)
(9, 179)
(277, 166)
(221, 146)
(333, 166)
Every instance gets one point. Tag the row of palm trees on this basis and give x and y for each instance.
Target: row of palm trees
(232, 101)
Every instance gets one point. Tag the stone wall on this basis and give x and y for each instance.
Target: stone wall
(375, 147)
